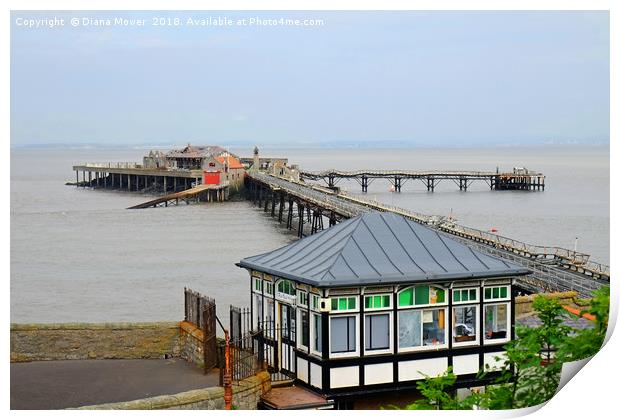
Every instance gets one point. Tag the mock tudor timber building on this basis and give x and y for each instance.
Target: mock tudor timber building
(377, 302)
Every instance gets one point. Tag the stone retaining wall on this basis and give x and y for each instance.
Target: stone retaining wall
(33, 342)
(245, 397)
(523, 304)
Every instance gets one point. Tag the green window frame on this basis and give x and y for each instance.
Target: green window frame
(464, 295)
(316, 303)
(339, 304)
(377, 301)
(268, 287)
(423, 295)
(496, 293)
(287, 287)
(258, 284)
(302, 298)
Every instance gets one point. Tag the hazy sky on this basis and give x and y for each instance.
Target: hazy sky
(429, 78)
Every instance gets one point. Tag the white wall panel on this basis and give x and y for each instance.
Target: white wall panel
(302, 370)
(463, 365)
(344, 376)
(316, 375)
(379, 373)
(416, 369)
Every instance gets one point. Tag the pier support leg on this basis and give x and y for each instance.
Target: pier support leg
(128, 182)
(165, 184)
(289, 219)
(364, 184)
(300, 227)
(77, 179)
(281, 207)
(273, 204)
(105, 181)
(174, 181)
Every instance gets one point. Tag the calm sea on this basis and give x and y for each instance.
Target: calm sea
(79, 255)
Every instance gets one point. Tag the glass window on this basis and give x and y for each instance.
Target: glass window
(496, 321)
(258, 284)
(344, 304)
(268, 288)
(421, 328)
(464, 295)
(317, 341)
(286, 287)
(464, 323)
(258, 309)
(316, 303)
(302, 298)
(405, 298)
(377, 332)
(342, 334)
(305, 329)
(496, 292)
(421, 295)
(377, 302)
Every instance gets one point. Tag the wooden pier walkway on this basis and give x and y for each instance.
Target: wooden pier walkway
(519, 179)
(554, 268)
(187, 196)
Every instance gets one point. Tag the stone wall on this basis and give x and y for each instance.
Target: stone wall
(32, 342)
(246, 395)
(523, 304)
(192, 340)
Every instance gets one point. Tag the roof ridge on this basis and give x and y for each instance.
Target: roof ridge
(424, 245)
(311, 239)
(335, 233)
(475, 254)
(450, 251)
(329, 269)
(380, 247)
(400, 243)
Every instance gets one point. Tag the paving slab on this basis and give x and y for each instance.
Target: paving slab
(73, 383)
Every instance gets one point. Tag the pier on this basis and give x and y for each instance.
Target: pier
(134, 177)
(204, 193)
(309, 208)
(518, 179)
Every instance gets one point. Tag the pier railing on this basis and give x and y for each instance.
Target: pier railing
(350, 206)
(114, 165)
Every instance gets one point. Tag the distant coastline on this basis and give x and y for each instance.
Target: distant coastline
(375, 144)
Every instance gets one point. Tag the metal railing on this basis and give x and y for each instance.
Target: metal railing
(351, 206)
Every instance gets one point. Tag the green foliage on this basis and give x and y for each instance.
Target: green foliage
(585, 343)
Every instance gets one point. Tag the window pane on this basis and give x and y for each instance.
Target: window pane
(409, 329)
(368, 302)
(405, 298)
(465, 294)
(496, 321)
(335, 305)
(351, 304)
(456, 296)
(496, 293)
(305, 329)
(503, 292)
(487, 293)
(377, 332)
(433, 327)
(464, 321)
(342, 304)
(351, 321)
(342, 334)
(318, 333)
(386, 301)
(422, 295)
(376, 302)
(441, 296)
(472, 294)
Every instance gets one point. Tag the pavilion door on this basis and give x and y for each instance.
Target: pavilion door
(286, 339)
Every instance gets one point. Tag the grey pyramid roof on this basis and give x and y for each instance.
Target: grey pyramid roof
(378, 248)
